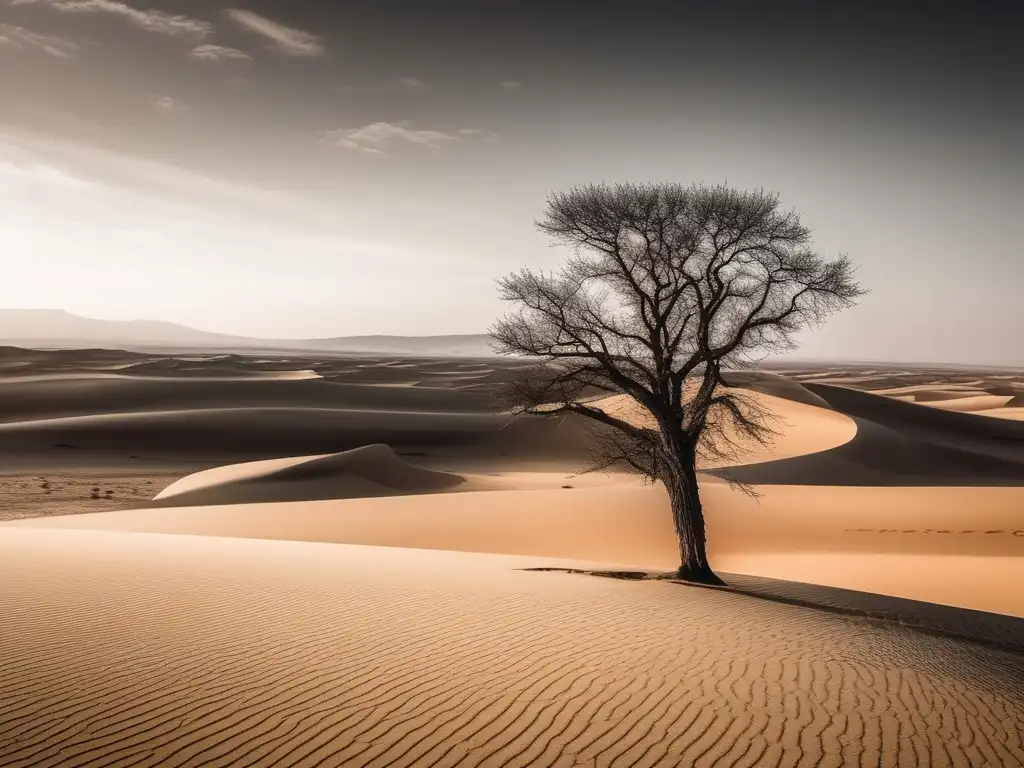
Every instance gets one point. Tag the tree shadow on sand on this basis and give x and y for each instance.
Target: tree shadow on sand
(993, 630)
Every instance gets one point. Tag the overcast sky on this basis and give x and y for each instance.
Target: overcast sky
(317, 168)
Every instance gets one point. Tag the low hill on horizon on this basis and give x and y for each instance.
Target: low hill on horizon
(61, 329)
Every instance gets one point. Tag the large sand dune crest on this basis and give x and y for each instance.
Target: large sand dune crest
(776, 385)
(373, 470)
(963, 430)
(902, 444)
(799, 424)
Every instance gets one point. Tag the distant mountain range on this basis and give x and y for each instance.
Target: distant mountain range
(54, 328)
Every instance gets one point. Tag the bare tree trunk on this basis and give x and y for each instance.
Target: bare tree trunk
(688, 516)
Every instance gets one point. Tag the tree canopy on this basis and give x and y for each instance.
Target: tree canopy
(668, 287)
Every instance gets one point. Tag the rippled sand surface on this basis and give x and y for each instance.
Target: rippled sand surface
(156, 650)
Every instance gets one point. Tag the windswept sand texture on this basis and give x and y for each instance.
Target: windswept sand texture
(328, 655)
(323, 561)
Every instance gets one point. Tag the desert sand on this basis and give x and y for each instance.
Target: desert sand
(311, 560)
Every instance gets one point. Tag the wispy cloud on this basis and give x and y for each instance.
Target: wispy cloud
(510, 84)
(412, 83)
(167, 104)
(218, 53)
(294, 42)
(160, 183)
(174, 25)
(488, 136)
(20, 38)
(370, 138)
(374, 137)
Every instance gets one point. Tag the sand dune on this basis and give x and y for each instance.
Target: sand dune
(777, 386)
(1016, 414)
(66, 409)
(899, 444)
(373, 470)
(928, 395)
(369, 471)
(376, 470)
(968, 404)
(334, 602)
(800, 427)
(232, 434)
(89, 394)
(907, 452)
(926, 391)
(963, 391)
(221, 421)
(285, 654)
(954, 429)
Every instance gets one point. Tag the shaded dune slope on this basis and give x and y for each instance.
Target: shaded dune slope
(82, 408)
(777, 386)
(285, 654)
(372, 470)
(960, 430)
(227, 433)
(345, 475)
(86, 396)
(899, 443)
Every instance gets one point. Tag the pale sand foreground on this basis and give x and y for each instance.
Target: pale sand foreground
(129, 649)
(906, 542)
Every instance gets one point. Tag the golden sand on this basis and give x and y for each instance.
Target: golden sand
(332, 573)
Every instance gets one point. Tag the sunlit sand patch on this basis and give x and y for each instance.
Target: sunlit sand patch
(801, 429)
(939, 388)
(374, 470)
(292, 375)
(628, 524)
(969, 403)
(1016, 414)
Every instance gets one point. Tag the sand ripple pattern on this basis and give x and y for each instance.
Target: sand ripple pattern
(121, 649)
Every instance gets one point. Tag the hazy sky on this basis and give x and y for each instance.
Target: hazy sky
(318, 167)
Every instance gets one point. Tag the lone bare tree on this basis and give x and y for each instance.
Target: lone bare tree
(668, 287)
